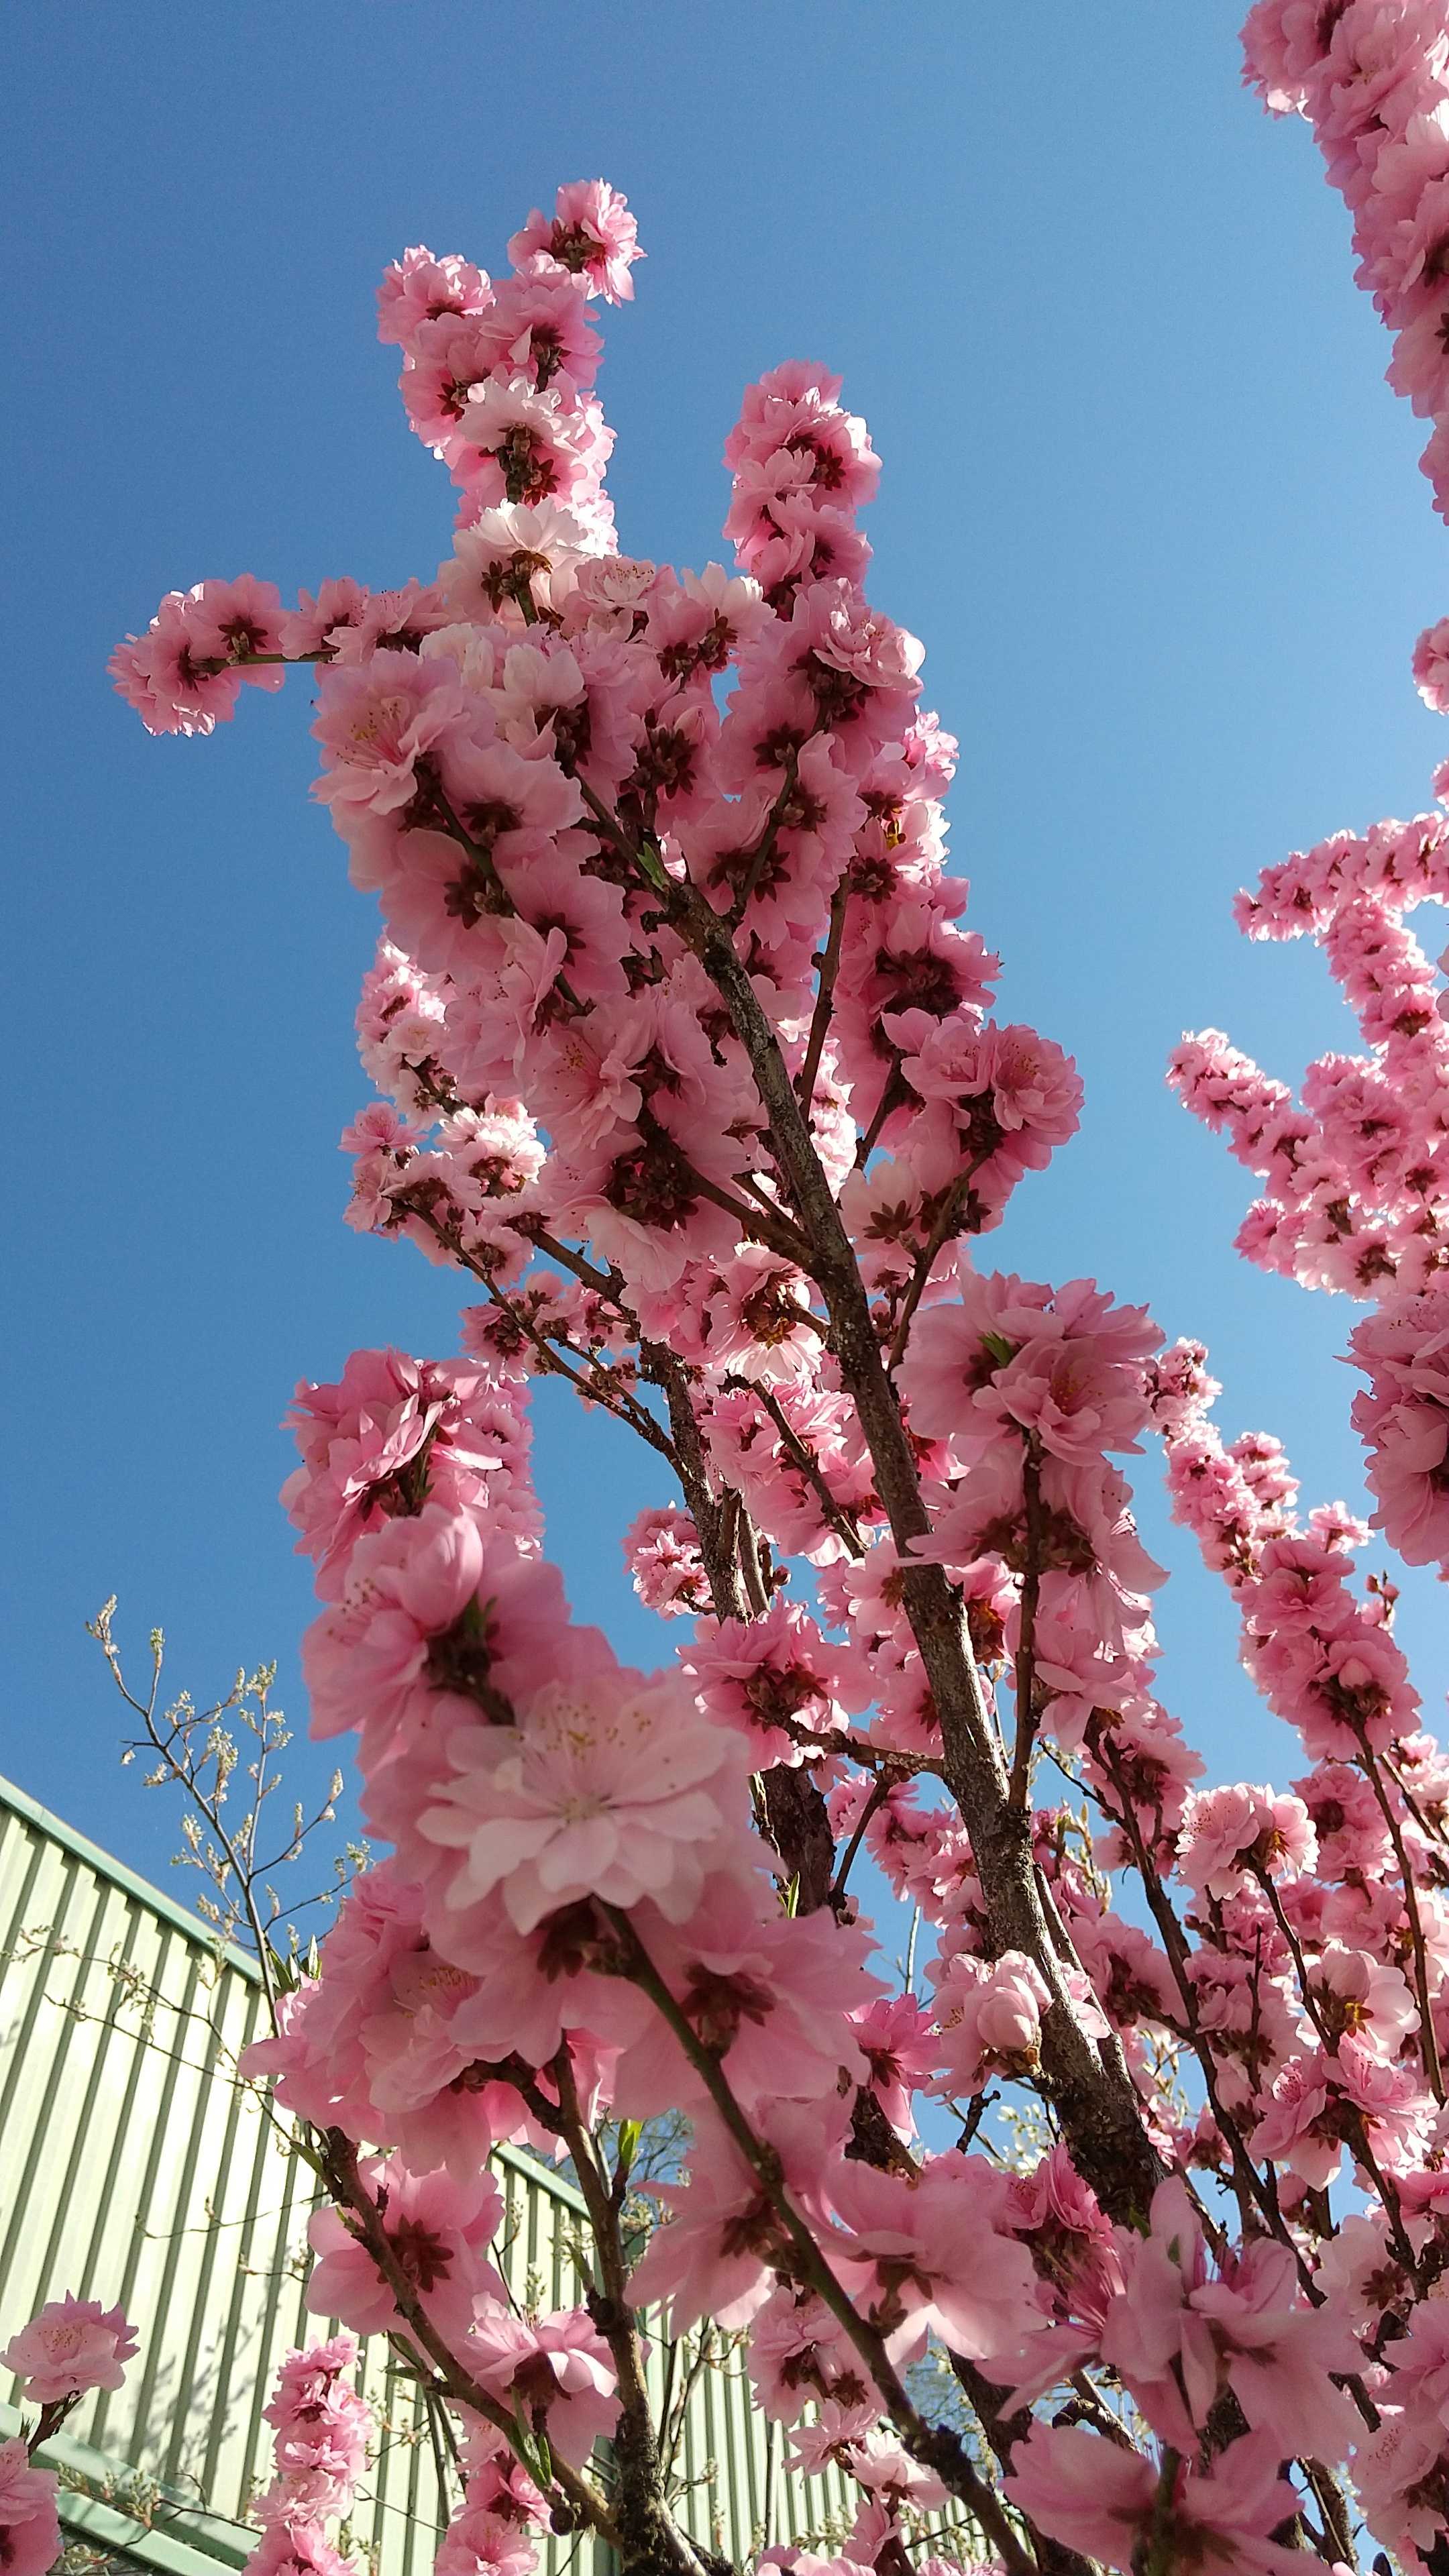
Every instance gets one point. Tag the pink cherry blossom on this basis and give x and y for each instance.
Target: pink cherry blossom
(69, 2346)
(663, 1554)
(1226, 1832)
(1091, 2495)
(607, 1787)
(988, 2016)
(556, 2368)
(681, 1022)
(1178, 2336)
(29, 2522)
(591, 234)
(480, 2543)
(296, 2548)
(436, 2228)
(970, 2284)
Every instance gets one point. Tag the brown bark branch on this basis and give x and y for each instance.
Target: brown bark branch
(1087, 2081)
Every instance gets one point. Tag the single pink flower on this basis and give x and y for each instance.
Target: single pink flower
(1095, 2497)
(555, 2369)
(609, 1786)
(436, 2226)
(72, 2345)
(29, 2522)
(988, 2017)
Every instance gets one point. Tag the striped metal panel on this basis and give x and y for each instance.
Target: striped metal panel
(135, 2167)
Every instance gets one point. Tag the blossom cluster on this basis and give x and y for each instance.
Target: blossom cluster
(1372, 77)
(320, 2429)
(70, 2347)
(688, 1062)
(1356, 1174)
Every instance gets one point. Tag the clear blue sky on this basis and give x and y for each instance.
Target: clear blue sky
(1146, 498)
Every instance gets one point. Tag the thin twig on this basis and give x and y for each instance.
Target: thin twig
(1428, 2040)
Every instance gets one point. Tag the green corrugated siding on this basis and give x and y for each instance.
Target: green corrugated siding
(135, 2167)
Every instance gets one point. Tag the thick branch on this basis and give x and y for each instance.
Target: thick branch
(1087, 2082)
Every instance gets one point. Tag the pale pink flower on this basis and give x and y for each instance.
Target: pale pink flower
(839, 2424)
(879, 2462)
(1404, 1415)
(1086, 2492)
(757, 1324)
(29, 2522)
(610, 1786)
(321, 2428)
(1399, 2472)
(70, 2346)
(934, 2256)
(375, 724)
(775, 1996)
(436, 2225)
(988, 2017)
(894, 2034)
(498, 2482)
(1297, 2126)
(478, 2542)
(513, 553)
(185, 673)
(591, 234)
(418, 288)
(297, 2548)
(1420, 2360)
(1356, 1993)
(555, 2369)
(1179, 2336)
(716, 2252)
(1228, 1832)
(798, 2351)
(1075, 1395)
(390, 1435)
(661, 1550)
(409, 1581)
(1067, 1364)
(310, 2377)
(774, 1679)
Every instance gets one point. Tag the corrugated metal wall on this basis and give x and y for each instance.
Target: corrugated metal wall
(135, 2167)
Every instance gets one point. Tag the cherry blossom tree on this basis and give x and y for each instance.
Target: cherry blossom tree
(689, 1061)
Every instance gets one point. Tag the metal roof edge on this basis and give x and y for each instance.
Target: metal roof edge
(186, 2549)
(86, 2518)
(535, 2170)
(196, 1929)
